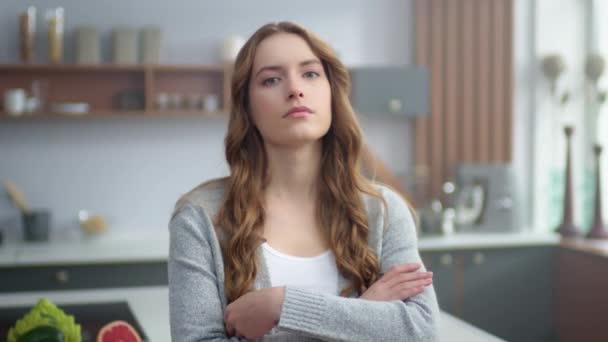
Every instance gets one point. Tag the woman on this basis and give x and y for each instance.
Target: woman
(295, 245)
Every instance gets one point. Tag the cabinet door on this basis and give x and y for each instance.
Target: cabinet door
(508, 292)
(444, 268)
(390, 90)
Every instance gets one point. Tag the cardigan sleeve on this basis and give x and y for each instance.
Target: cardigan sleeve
(195, 309)
(334, 318)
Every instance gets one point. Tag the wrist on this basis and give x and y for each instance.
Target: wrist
(278, 299)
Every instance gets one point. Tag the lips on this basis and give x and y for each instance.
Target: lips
(300, 110)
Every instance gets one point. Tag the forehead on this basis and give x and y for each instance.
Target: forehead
(282, 49)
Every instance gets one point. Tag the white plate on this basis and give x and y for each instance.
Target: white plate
(70, 108)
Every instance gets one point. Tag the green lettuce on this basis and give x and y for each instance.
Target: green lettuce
(46, 313)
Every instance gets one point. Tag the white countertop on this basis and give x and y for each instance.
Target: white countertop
(155, 247)
(486, 240)
(110, 248)
(150, 306)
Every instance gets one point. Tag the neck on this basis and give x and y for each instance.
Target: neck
(294, 171)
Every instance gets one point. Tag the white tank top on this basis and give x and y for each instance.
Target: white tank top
(318, 273)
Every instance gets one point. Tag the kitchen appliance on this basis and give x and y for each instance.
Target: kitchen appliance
(485, 198)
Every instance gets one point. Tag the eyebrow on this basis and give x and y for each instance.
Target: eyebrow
(278, 67)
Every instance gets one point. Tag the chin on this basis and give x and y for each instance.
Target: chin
(298, 140)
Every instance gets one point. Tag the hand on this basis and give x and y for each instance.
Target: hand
(254, 314)
(399, 283)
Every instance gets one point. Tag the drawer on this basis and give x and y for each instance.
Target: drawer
(70, 277)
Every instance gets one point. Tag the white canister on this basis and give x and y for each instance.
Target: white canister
(14, 101)
(231, 47)
(211, 103)
(87, 45)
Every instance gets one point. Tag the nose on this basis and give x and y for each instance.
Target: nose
(294, 90)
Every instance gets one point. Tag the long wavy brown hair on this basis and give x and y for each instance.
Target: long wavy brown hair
(340, 210)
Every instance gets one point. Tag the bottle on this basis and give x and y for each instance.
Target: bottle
(27, 31)
(55, 22)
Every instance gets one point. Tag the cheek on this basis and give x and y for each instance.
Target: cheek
(262, 103)
(324, 100)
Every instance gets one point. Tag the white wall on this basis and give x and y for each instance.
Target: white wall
(132, 170)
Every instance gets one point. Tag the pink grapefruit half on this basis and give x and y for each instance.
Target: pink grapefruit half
(118, 331)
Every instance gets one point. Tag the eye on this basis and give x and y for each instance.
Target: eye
(270, 81)
(311, 74)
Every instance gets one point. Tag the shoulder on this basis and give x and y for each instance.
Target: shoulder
(206, 197)
(389, 202)
(388, 209)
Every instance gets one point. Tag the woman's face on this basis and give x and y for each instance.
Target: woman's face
(289, 93)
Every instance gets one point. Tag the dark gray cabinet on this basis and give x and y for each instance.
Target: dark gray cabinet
(505, 291)
(89, 276)
(398, 90)
(445, 282)
(508, 292)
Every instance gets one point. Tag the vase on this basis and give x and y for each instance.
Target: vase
(567, 228)
(598, 229)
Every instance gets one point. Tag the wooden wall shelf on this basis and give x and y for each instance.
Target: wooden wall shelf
(104, 87)
(111, 114)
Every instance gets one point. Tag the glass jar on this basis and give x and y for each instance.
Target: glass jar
(55, 21)
(27, 30)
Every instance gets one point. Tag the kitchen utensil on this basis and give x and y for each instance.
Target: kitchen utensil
(16, 196)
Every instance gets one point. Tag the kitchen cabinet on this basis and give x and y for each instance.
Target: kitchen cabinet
(582, 294)
(399, 90)
(445, 279)
(505, 291)
(82, 276)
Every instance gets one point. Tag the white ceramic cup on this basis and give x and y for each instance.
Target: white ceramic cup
(14, 101)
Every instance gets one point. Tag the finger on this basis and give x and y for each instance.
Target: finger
(412, 276)
(400, 268)
(229, 329)
(415, 284)
(409, 292)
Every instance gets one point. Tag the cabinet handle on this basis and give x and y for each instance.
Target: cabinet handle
(446, 259)
(62, 277)
(478, 258)
(395, 105)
